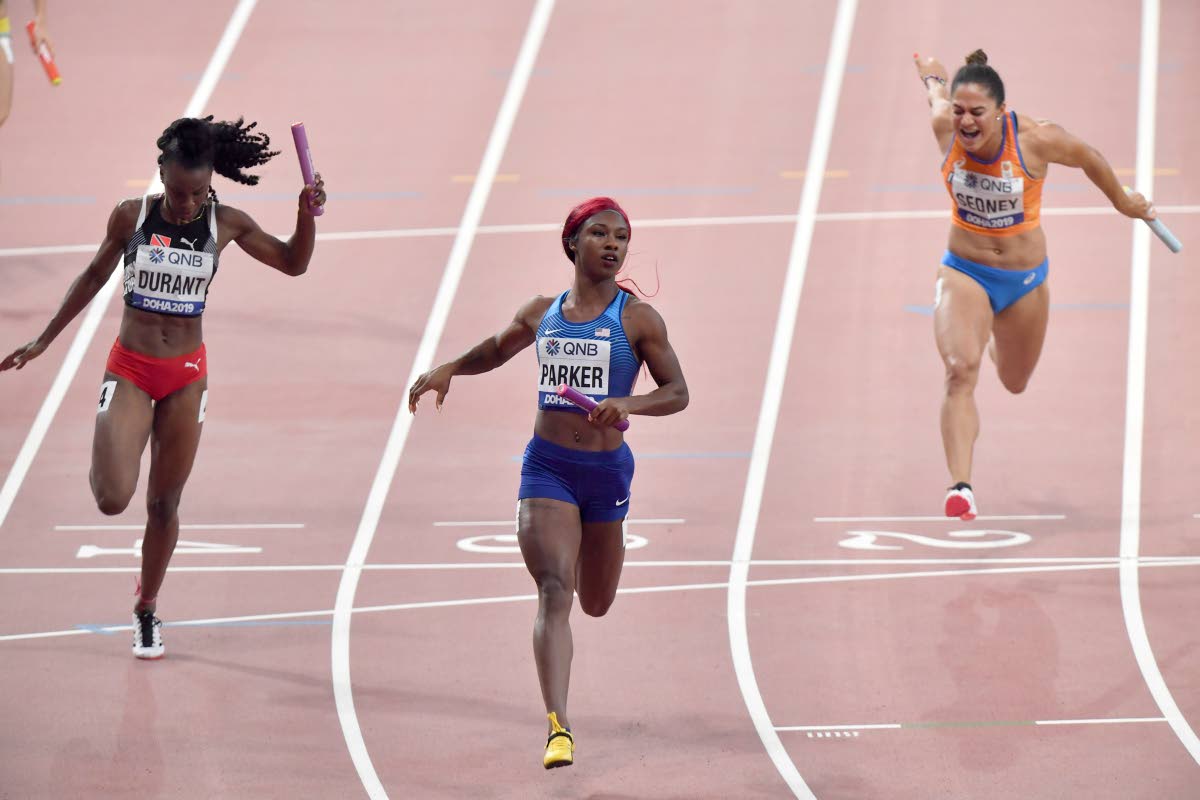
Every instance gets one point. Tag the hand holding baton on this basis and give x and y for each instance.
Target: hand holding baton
(1161, 230)
(586, 403)
(306, 165)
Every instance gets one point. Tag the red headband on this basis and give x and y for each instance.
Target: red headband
(582, 213)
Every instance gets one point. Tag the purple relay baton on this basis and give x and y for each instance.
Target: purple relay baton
(306, 165)
(586, 403)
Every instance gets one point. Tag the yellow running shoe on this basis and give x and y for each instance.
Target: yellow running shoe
(560, 747)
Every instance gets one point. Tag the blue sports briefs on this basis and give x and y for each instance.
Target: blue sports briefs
(596, 481)
(1003, 286)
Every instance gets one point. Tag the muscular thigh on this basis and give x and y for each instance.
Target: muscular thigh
(124, 416)
(549, 534)
(177, 426)
(962, 317)
(601, 556)
(1020, 331)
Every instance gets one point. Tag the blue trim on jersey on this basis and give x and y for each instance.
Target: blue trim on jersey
(564, 353)
(1003, 286)
(1017, 143)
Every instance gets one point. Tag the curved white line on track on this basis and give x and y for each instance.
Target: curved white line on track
(679, 587)
(422, 361)
(96, 309)
(1135, 395)
(772, 396)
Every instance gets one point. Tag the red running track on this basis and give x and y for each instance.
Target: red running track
(682, 111)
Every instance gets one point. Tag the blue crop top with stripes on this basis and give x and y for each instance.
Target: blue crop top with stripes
(593, 357)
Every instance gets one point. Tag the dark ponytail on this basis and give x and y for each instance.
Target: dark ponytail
(976, 70)
(228, 147)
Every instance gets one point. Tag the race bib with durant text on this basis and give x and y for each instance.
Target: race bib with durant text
(169, 280)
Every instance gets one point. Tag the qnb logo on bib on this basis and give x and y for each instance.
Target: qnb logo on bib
(581, 363)
(988, 201)
(169, 280)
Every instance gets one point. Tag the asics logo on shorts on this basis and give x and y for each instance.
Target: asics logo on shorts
(1029, 278)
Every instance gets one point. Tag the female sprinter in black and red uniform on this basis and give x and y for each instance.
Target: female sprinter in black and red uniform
(156, 380)
(577, 469)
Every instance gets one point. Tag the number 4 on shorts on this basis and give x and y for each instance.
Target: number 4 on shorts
(107, 389)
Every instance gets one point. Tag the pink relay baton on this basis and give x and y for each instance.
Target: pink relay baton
(586, 403)
(306, 165)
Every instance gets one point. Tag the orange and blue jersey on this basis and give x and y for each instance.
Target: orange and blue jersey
(997, 197)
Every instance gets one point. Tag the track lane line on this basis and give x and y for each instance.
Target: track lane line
(667, 222)
(1135, 395)
(772, 397)
(682, 587)
(422, 361)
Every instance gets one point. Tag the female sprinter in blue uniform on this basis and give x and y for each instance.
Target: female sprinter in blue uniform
(576, 474)
(992, 281)
(156, 381)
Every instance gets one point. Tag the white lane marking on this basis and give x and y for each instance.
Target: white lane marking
(422, 361)
(772, 395)
(449, 566)
(1003, 518)
(822, 579)
(508, 523)
(182, 548)
(920, 725)
(975, 539)
(670, 222)
(506, 543)
(1135, 394)
(96, 309)
(198, 526)
(1114, 721)
(877, 727)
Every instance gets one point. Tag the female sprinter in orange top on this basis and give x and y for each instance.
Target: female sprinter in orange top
(992, 281)
(156, 379)
(577, 469)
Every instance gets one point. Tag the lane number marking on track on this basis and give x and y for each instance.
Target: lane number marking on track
(182, 548)
(959, 540)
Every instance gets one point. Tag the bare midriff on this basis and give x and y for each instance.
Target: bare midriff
(1017, 252)
(571, 430)
(159, 335)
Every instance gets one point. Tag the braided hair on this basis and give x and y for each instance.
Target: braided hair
(976, 70)
(228, 148)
